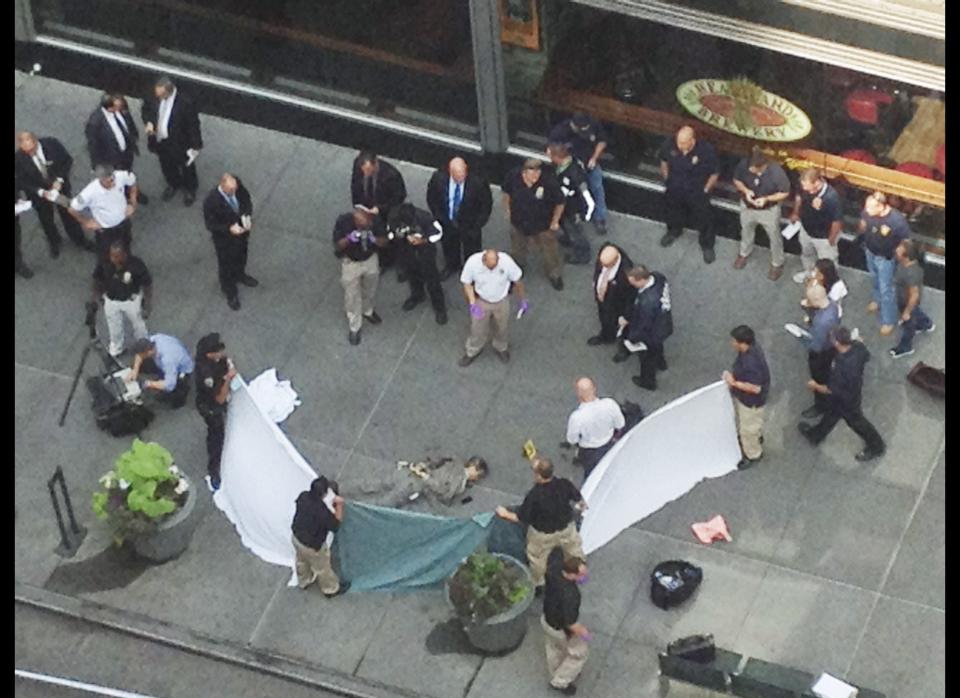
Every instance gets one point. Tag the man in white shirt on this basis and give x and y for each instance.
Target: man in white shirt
(110, 209)
(591, 427)
(486, 279)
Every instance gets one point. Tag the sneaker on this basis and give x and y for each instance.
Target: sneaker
(932, 327)
(212, 485)
(896, 352)
(868, 454)
(801, 276)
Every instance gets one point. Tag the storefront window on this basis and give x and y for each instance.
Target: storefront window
(627, 71)
(409, 61)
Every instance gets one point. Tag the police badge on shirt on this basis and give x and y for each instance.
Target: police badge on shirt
(884, 230)
(539, 193)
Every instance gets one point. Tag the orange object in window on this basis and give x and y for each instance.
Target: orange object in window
(860, 156)
(917, 169)
(863, 106)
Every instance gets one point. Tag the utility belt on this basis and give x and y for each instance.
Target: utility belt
(133, 297)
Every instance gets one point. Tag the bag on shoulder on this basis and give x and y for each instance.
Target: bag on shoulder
(672, 582)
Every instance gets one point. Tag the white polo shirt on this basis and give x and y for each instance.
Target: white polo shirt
(592, 424)
(107, 206)
(492, 285)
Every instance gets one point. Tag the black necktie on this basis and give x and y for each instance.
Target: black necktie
(368, 188)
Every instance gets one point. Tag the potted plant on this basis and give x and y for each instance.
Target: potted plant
(147, 502)
(490, 593)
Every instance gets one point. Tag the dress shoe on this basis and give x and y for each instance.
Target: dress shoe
(188, 198)
(402, 277)
(775, 273)
(568, 690)
(621, 356)
(25, 271)
(538, 591)
(807, 431)
(740, 262)
(668, 240)
(354, 338)
(168, 193)
(466, 360)
(412, 302)
(54, 250)
(746, 463)
(448, 272)
(662, 364)
(373, 318)
(441, 316)
(143, 198)
(85, 244)
(646, 385)
(597, 340)
(709, 256)
(234, 302)
(248, 280)
(570, 259)
(868, 454)
(342, 590)
(600, 227)
(811, 412)
(557, 283)
(504, 356)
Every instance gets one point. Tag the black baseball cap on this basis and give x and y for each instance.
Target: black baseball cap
(580, 120)
(209, 344)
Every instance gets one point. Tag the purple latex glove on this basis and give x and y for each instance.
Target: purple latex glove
(371, 237)
(524, 305)
(583, 579)
(586, 637)
(476, 311)
(354, 236)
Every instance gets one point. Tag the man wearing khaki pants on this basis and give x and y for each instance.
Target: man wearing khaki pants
(548, 511)
(820, 212)
(749, 383)
(534, 203)
(486, 279)
(763, 185)
(355, 243)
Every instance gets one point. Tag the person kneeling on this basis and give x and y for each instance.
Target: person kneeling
(164, 356)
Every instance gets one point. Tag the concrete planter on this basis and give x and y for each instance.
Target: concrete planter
(172, 535)
(504, 632)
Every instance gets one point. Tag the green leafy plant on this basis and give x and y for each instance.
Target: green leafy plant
(484, 586)
(143, 488)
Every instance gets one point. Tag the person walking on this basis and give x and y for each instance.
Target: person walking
(763, 186)
(883, 228)
(579, 207)
(534, 204)
(461, 201)
(820, 349)
(565, 636)
(227, 213)
(690, 170)
(587, 141)
(749, 382)
(548, 512)
(319, 512)
(592, 426)
(487, 278)
(909, 282)
(843, 394)
(819, 210)
(355, 243)
(612, 291)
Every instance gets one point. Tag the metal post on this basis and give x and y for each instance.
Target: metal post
(488, 70)
(71, 539)
(23, 29)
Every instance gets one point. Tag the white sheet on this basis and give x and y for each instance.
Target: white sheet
(261, 476)
(663, 457)
(276, 398)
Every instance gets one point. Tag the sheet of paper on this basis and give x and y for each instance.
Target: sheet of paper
(791, 230)
(192, 156)
(633, 348)
(22, 207)
(830, 687)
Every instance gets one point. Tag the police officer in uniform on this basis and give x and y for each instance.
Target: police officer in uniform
(213, 371)
(690, 171)
(579, 207)
(585, 138)
(650, 323)
(417, 233)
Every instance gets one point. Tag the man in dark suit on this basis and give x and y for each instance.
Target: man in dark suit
(226, 212)
(378, 186)
(649, 324)
(112, 136)
(172, 125)
(42, 170)
(461, 202)
(612, 291)
(20, 267)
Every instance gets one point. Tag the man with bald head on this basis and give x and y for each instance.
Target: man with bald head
(42, 170)
(612, 291)
(591, 427)
(461, 201)
(487, 278)
(690, 170)
(227, 212)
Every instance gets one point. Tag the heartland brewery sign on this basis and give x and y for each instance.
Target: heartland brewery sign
(747, 111)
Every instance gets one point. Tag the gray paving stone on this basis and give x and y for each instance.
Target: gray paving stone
(915, 575)
(631, 669)
(903, 651)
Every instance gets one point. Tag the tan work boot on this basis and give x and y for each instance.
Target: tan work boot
(887, 330)
(872, 307)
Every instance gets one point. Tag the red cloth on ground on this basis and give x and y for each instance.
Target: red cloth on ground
(709, 531)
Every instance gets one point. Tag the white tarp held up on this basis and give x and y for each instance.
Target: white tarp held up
(261, 476)
(662, 458)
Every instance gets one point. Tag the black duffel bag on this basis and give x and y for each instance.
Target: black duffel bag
(672, 582)
(696, 648)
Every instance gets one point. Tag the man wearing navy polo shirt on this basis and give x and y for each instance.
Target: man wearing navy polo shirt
(690, 170)
(820, 213)
(585, 138)
(883, 228)
(749, 383)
